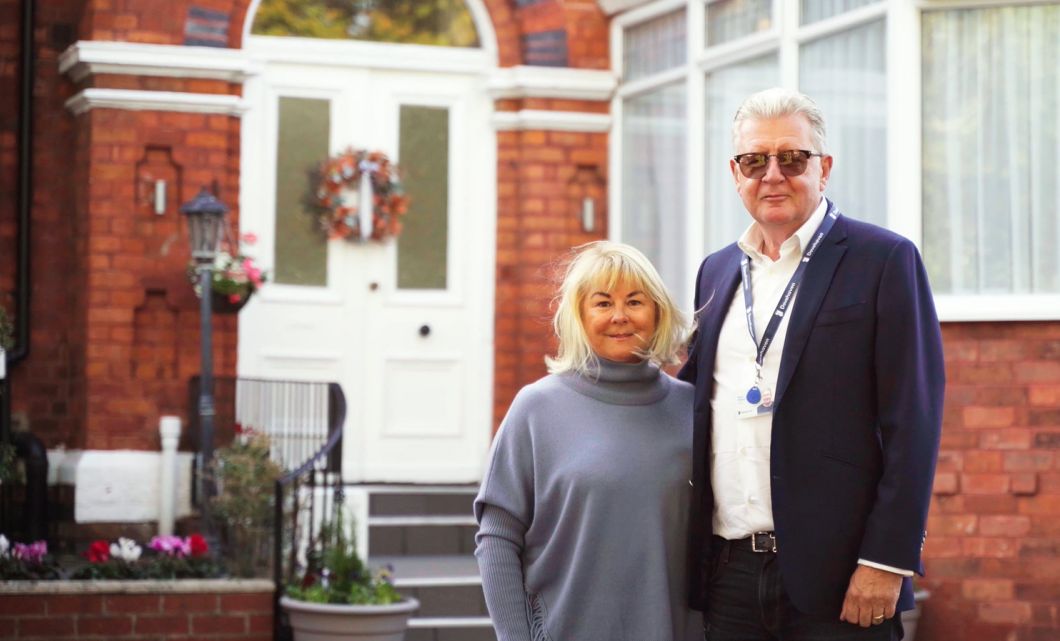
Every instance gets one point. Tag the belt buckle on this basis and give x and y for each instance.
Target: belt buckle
(770, 547)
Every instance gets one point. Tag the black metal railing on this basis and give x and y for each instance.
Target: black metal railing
(305, 499)
(299, 417)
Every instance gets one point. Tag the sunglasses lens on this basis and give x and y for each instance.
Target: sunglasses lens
(791, 163)
(753, 165)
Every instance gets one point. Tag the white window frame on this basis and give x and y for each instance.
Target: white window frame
(904, 213)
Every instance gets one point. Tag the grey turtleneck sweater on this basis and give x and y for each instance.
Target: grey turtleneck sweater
(583, 510)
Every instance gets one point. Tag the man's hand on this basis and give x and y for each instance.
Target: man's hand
(871, 593)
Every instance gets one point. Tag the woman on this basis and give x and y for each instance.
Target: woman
(582, 511)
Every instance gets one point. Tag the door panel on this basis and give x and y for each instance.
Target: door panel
(405, 326)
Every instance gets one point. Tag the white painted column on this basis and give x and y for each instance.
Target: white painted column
(169, 429)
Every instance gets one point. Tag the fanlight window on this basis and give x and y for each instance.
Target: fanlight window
(445, 23)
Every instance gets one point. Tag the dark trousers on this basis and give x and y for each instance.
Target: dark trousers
(748, 603)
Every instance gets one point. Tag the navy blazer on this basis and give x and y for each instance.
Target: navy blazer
(857, 415)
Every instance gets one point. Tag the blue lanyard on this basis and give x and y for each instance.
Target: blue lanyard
(831, 215)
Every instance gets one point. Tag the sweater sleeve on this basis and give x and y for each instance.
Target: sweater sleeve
(499, 547)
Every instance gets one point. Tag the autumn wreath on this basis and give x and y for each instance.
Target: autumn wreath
(359, 196)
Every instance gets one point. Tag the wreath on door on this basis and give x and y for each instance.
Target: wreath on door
(359, 196)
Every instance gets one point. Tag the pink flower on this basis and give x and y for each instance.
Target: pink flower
(171, 546)
(250, 238)
(32, 553)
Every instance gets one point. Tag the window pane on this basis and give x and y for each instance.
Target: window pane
(653, 180)
(814, 10)
(656, 45)
(845, 74)
(423, 246)
(445, 23)
(991, 149)
(726, 218)
(731, 19)
(301, 247)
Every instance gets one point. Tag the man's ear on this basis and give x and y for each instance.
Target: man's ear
(733, 168)
(826, 170)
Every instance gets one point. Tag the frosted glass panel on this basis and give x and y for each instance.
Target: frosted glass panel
(726, 218)
(302, 143)
(423, 247)
(991, 149)
(656, 45)
(845, 74)
(653, 180)
(731, 19)
(814, 10)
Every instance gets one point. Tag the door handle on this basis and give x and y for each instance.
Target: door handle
(425, 330)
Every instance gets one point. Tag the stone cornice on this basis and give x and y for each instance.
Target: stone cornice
(86, 58)
(535, 119)
(552, 82)
(136, 100)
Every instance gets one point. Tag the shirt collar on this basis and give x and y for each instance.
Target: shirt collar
(751, 240)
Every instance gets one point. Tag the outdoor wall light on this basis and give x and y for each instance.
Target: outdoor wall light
(205, 224)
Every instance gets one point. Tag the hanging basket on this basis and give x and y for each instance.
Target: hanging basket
(223, 303)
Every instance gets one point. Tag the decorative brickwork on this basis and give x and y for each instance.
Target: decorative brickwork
(993, 549)
(160, 610)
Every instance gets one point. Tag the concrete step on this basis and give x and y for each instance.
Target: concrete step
(446, 586)
(417, 500)
(459, 631)
(421, 536)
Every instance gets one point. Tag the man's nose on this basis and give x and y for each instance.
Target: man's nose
(773, 173)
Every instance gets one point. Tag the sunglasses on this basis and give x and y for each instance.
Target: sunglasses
(791, 162)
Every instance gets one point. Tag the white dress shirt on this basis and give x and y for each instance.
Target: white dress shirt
(740, 446)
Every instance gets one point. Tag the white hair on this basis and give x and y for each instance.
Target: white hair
(778, 103)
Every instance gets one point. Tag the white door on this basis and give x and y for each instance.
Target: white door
(405, 326)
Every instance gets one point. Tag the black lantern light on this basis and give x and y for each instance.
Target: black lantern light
(205, 224)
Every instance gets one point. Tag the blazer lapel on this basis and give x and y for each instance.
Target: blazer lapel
(808, 300)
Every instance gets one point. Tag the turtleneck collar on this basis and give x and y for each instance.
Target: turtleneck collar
(620, 383)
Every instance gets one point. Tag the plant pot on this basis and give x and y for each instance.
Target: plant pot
(221, 303)
(333, 622)
(910, 617)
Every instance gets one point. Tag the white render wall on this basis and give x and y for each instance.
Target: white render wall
(119, 486)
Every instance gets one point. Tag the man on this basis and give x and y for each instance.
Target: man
(819, 380)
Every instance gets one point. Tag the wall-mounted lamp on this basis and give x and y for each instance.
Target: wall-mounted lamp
(588, 214)
(160, 197)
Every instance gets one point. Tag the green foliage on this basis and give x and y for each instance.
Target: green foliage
(446, 23)
(245, 477)
(336, 573)
(7, 338)
(8, 464)
(152, 567)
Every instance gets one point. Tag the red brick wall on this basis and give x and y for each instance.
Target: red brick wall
(201, 615)
(993, 548)
(542, 177)
(47, 386)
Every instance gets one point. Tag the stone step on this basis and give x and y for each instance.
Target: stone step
(459, 630)
(421, 536)
(446, 586)
(416, 500)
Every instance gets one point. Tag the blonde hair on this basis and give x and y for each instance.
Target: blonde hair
(603, 264)
(778, 103)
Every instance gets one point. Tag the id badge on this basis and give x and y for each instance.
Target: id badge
(757, 401)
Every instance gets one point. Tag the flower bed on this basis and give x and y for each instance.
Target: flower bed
(171, 610)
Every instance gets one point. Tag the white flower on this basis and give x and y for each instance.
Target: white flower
(126, 550)
(5, 545)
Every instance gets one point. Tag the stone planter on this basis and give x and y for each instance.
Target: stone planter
(333, 622)
(910, 617)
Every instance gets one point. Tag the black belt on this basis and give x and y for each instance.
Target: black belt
(760, 542)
